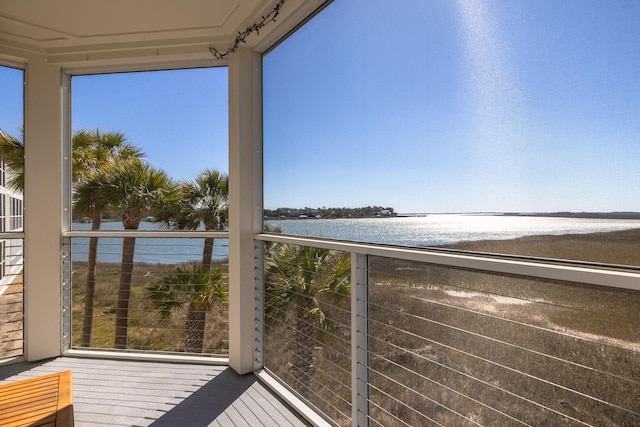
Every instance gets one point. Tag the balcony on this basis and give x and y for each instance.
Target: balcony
(418, 337)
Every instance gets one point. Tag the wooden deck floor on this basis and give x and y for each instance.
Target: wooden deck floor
(132, 393)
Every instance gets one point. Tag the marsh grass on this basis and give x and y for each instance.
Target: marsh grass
(614, 247)
(460, 348)
(147, 329)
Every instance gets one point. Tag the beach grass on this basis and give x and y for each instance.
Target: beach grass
(147, 329)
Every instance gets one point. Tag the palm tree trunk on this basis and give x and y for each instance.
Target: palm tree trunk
(194, 325)
(122, 308)
(90, 290)
(207, 254)
(301, 367)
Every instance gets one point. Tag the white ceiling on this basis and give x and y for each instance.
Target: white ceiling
(79, 33)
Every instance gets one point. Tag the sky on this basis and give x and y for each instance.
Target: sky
(467, 106)
(178, 118)
(11, 100)
(423, 106)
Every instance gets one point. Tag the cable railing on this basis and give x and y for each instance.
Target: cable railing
(11, 295)
(439, 344)
(306, 338)
(146, 291)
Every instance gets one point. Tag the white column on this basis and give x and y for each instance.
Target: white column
(43, 206)
(245, 201)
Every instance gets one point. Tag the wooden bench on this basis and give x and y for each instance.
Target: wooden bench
(41, 401)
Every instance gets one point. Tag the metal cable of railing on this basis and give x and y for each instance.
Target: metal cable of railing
(419, 413)
(449, 389)
(446, 342)
(148, 291)
(471, 336)
(330, 389)
(307, 325)
(515, 346)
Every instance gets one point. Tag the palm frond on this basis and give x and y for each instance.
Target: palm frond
(12, 152)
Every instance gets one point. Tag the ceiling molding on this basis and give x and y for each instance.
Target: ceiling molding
(82, 34)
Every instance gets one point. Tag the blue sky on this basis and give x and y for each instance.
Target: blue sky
(178, 118)
(11, 100)
(445, 106)
(424, 106)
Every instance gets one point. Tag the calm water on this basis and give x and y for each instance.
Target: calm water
(150, 250)
(442, 229)
(430, 230)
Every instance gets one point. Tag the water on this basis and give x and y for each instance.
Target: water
(430, 230)
(433, 230)
(148, 250)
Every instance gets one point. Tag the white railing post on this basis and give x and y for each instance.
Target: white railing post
(258, 349)
(66, 294)
(359, 340)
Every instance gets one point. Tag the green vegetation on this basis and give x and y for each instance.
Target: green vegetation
(133, 189)
(92, 152)
(197, 289)
(365, 212)
(12, 152)
(149, 328)
(299, 280)
(111, 175)
(112, 178)
(203, 202)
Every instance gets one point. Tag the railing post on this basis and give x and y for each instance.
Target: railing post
(359, 340)
(258, 350)
(66, 294)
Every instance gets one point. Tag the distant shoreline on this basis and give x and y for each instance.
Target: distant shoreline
(603, 215)
(595, 215)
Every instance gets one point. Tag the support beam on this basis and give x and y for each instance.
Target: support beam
(42, 215)
(245, 201)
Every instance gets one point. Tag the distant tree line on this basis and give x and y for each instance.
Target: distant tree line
(324, 212)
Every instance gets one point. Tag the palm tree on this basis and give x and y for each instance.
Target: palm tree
(297, 280)
(93, 151)
(199, 289)
(134, 190)
(12, 152)
(203, 201)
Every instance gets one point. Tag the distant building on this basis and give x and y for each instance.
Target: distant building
(11, 220)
